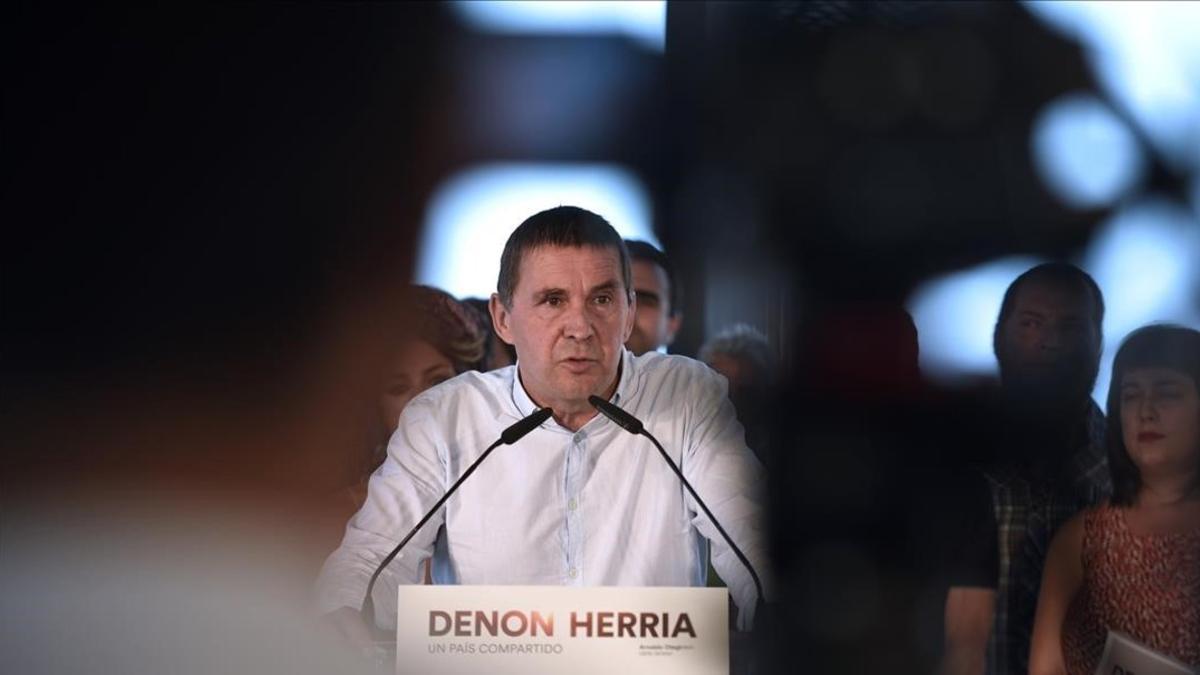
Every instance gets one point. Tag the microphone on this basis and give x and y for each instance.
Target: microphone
(518, 430)
(634, 426)
(623, 419)
(511, 435)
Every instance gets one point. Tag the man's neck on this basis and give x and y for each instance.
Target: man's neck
(574, 420)
(572, 413)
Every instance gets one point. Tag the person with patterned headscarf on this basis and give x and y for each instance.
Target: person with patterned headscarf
(441, 341)
(445, 341)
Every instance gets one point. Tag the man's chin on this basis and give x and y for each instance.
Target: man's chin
(580, 387)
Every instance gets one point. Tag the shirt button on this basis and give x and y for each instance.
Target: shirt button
(573, 572)
(572, 504)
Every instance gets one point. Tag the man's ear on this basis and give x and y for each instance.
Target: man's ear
(631, 319)
(673, 325)
(500, 318)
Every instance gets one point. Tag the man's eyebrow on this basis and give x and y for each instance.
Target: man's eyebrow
(606, 286)
(545, 292)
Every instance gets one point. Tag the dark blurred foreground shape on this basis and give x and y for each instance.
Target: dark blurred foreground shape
(209, 215)
(827, 158)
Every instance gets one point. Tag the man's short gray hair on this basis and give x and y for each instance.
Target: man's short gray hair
(745, 343)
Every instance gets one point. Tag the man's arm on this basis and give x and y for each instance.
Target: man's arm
(1060, 581)
(410, 481)
(969, 616)
(731, 481)
(349, 624)
(971, 566)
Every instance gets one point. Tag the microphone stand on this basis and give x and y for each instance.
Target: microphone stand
(509, 436)
(634, 426)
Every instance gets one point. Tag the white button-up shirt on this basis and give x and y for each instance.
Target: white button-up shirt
(594, 507)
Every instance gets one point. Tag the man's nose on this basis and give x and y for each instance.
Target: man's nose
(577, 324)
(1051, 339)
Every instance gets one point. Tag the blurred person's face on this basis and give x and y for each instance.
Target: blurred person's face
(1048, 347)
(653, 324)
(733, 368)
(417, 367)
(1160, 419)
(570, 315)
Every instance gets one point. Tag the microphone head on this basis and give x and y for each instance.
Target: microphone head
(623, 419)
(523, 426)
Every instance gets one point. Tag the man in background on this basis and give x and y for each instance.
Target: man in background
(1047, 462)
(743, 355)
(659, 303)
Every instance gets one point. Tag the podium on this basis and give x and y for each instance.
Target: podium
(536, 630)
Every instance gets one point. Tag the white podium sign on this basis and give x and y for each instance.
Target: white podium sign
(1125, 656)
(535, 630)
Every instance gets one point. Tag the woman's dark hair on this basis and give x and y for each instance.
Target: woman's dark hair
(1157, 346)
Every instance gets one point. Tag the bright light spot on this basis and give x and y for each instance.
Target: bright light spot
(1085, 153)
(1146, 260)
(644, 21)
(955, 316)
(1146, 56)
(473, 212)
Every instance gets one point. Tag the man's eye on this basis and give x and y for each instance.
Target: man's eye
(603, 299)
(554, 301)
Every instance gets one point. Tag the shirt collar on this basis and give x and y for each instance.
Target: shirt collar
(626, 386)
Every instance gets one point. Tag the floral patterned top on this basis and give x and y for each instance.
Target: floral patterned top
(1146, 586)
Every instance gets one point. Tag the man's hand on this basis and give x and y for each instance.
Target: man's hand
(348, 622)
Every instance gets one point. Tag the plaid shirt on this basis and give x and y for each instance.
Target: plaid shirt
(1028, 513)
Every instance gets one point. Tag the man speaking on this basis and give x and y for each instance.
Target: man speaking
(579, 501)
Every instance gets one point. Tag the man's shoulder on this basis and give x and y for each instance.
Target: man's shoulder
(470, 390)
(673, 380)
(655, 366)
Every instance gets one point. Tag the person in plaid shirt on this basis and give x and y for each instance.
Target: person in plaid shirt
(1048, 462)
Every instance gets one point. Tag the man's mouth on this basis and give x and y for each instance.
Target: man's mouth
(578, 364)
(1150, 436)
